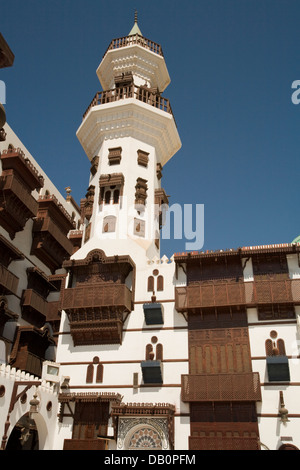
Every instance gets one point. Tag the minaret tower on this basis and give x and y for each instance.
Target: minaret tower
(129, 133)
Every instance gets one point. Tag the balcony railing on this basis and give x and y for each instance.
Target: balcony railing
(91, 297)
(143, 94)
(8, 281)
(219, 294)
(223, 443)
(132, 40)
(220, 387)
(14, 159)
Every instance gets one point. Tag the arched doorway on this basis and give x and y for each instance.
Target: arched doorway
(24, 435)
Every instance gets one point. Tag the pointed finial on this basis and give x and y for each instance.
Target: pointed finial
(135, 16)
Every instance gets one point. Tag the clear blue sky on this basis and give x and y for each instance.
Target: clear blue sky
(231, 62)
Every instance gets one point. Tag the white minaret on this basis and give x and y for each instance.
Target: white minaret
(129, 134)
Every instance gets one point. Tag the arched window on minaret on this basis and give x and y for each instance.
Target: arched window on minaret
(107, 197)
(116, 196)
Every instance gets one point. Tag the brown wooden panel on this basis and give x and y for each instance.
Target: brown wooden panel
(216, 351)
(84, 444)
(220, 387)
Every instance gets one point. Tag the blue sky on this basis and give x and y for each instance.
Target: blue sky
(232, 64)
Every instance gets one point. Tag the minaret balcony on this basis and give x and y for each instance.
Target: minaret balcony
(216, 293)
(220, 387)
(141, 93)
(135, 39)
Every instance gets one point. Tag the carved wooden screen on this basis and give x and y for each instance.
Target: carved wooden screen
(90, 420)
(218, 351)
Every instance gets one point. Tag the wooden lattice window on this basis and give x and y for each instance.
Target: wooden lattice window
(150, 287)
(90, 420)
(159, 352)
(90, 374)
(219, 351)
(269, 264)
(160, 283)
(116, 196)
(149, 351)
(107, 197)
(275, 348)
(90, 371)
(99, 373)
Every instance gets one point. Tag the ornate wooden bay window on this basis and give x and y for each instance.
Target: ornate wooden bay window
(29, 349)
(98, 299)
(34, 299)
(161, 201)
(18, 179)
(50, 233)
(90, 413)
(8, 281)
(111, 188)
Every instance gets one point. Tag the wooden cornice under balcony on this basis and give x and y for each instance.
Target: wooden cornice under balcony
(221, 387)
(218, 293)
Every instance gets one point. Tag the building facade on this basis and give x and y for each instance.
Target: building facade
(104, 344)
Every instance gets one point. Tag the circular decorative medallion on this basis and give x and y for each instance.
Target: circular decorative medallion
(145, 438)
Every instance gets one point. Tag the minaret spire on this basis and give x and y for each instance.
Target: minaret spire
(135, 29)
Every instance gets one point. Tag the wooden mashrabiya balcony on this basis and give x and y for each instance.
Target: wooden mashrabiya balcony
(18, 179)
(209, 294)
(8, 281)
(96, 312)
(50, 232)
(220, 387)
